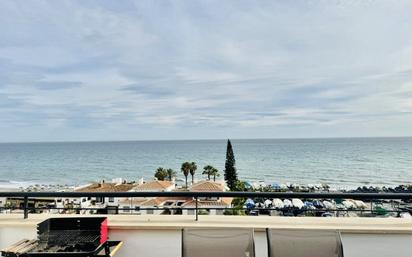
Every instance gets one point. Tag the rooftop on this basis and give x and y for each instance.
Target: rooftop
(105, 187)
(155, 185)
(207, 186)
(203, 203)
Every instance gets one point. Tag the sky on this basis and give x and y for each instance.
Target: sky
(153, 70)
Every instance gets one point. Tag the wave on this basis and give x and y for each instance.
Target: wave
(11, 184)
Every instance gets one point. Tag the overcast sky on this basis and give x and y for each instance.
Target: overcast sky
(136, 70)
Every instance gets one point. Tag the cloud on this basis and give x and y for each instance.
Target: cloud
(175, 69)
(56, 85)
(151, 90)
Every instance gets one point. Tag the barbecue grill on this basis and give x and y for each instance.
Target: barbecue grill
(78, 237)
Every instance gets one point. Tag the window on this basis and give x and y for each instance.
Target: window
(149, 211)
(111, 199)
(126, 209)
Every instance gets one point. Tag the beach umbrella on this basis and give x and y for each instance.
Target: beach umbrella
(248, 185)
(268, 203)
(277, 203)
(380, 210)
(349, 204)
(405, 215)
(287, 203)
(250, 204)
(309, 205)
(318, 204)
(328, 205)
(360, 204)
(275, 186)
(297, 203)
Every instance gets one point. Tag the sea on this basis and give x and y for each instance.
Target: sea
(340, 162)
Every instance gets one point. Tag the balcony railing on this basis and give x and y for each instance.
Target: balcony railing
(368, 197)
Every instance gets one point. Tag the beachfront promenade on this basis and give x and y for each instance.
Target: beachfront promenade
(154, 235)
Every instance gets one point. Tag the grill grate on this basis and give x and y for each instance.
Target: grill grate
(65, 237)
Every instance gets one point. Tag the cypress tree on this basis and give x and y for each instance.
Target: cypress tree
(230, 169)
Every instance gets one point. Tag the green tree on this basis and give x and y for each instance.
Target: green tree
(215, 173)
(185, 169)
(170, 174)
(207, 170)
(240, 186)
(210, 171)
(193, 168)
(161, 173)
(230, 168)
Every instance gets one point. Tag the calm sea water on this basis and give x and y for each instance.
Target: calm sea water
(339, 162)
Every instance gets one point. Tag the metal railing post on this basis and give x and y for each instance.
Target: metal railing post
(25, 207)
(371, 207)
(196, 210)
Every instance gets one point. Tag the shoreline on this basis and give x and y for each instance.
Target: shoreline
(301, 187)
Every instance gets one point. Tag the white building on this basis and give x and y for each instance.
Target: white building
(102, 204)
(155, 186)
(210, 205)
(150, 205)
(3, 201)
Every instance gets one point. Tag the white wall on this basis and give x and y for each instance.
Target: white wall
(376, 245)
(164, 243)
(167, 242)
(148, 243)
(11, 234)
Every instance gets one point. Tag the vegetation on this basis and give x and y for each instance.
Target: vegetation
(170, 174)
(240, 186)
(161, 174)
(210, 171)
(230, 169)
(192, 170)
(186, 170)
(237, 204)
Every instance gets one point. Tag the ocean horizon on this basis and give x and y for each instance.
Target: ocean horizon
(339, 162)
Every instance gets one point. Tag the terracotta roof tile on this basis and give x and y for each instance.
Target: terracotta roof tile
(106, 187)
(152, 202)
(155, 185)
(201, 204)
(134, 201)
(207, 186)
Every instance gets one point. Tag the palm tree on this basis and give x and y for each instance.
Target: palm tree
(185, 169)
(170, 174)
(193, 168)
(161, 173)
(207, 170)
(215, 173)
